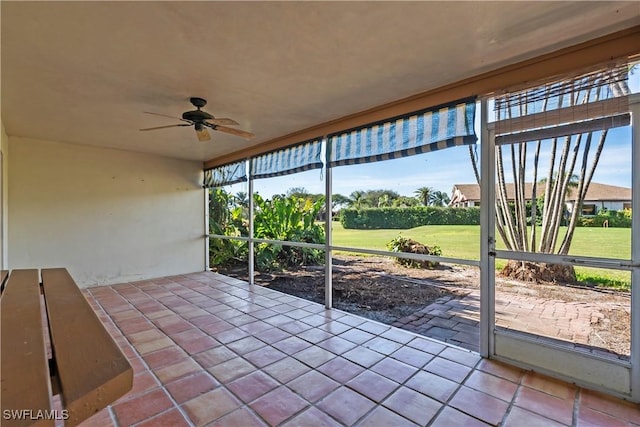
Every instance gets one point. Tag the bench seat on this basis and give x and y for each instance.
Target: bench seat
(87, 368)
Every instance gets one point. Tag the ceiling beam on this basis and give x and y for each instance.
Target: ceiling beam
(622, 44)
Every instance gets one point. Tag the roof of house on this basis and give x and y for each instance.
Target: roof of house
(596, 192)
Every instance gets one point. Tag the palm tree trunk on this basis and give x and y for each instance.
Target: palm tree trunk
(503, 204)
(521, 195)
(547, 197)
(474, 163)
(516, 198)
(534, 197)
(557, 199)
(619, 89)
(583, 187)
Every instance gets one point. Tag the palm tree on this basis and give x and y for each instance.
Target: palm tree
(572, 182)
(338, 200)
(405, 202)
(357, 199)
(572, 163)
(384, 201)
(242, 199)
(440, 198)
(425, 194)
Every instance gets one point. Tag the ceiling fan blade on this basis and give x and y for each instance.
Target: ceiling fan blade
(164, 115)
(223, 122)
(232, 131)
(203, 134)
(168, 126)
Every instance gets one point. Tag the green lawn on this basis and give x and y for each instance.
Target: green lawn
(463, 241)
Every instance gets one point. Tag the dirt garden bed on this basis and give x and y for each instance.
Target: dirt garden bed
(379, 289)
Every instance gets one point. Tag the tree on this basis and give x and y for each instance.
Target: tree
(405, 202)
(425, 195)
(298, 192)
(384, 201)
(357, 200)
(570, 157)
(440, 198)
(338, 200)
(373, 197)
(242, 199)
(303, 193)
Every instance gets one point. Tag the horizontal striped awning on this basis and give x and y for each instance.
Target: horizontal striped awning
(580, 92)
(297, 158)
(434, 129)
(231, 173)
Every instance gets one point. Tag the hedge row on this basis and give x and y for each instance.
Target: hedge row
(617, 219)
(402, 218)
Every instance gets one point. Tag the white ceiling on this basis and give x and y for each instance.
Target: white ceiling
(84, 72)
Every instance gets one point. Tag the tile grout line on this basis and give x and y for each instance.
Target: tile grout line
(144, 362)
(311, 404)
(221, 385)
(376, 335)
(402, 384)
(513, 400)
(229, 291)
(576, 408)
(454, 393)
(447, 343)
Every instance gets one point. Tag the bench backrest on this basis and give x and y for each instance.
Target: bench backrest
(25, 369)
(88, 366)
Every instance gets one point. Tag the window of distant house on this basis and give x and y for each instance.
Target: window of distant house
(626, 205)
(588, 209)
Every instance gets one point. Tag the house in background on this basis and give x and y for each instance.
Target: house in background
(599, 197)
(465, 195)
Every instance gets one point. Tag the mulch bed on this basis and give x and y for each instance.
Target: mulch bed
(372, 287)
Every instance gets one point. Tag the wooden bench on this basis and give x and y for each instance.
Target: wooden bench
(87, 368)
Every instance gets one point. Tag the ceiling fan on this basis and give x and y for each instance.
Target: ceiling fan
(201, 120)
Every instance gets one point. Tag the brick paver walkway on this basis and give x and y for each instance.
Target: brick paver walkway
(450, 319)
(455, 320)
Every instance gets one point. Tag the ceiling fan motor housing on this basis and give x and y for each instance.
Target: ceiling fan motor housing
(196, 116)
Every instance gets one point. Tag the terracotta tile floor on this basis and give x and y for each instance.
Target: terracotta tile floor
(211, 350)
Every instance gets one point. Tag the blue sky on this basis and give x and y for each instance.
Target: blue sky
(442, 169)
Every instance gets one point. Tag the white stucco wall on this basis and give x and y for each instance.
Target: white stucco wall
(609, 205)
(612, 206)
(109, 216)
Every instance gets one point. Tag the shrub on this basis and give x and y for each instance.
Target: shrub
(288, 219)
(403, 218)
(281, 218)
(617, 219)
(404, 244)
(225, 252)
